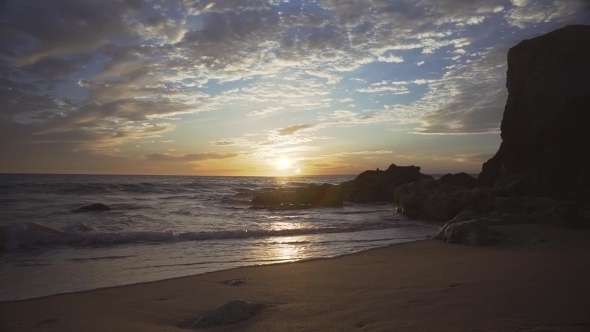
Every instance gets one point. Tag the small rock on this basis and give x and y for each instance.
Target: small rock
(92, 208)
(234, 311)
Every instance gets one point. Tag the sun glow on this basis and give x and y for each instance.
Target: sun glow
(283, 163)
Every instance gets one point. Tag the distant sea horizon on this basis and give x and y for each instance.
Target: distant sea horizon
(434, 175)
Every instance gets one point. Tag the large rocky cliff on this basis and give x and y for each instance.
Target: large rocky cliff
(546, 123)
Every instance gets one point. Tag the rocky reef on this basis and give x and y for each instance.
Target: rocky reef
(378, 185)
(367, 187)
(541, 172)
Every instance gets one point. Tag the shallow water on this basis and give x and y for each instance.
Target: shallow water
(162, 227)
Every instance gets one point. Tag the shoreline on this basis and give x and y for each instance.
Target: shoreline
(229, 269)
(421, 285)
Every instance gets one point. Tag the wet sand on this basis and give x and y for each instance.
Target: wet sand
(539, 283)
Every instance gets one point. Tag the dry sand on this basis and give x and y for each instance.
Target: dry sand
(540, 285)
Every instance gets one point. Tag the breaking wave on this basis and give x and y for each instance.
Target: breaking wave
(34, 235)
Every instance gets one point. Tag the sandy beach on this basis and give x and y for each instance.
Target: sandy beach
(540, 284)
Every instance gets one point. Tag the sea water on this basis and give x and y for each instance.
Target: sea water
(161, 227)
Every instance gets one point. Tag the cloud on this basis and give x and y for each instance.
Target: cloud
(184, 158)
(397, 90)
(82, 75)
(359, 153)
(265, 111)
(525, 12)
(390, 58)
(474, 96)
(293, 129)
(65, 26)
(475, 158)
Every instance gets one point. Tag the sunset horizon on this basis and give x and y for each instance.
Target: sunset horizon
(294, 165)
(263, 88)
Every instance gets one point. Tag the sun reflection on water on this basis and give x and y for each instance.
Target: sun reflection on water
(278, 225)
(289, 248)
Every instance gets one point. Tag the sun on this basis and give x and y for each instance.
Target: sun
(283, 163)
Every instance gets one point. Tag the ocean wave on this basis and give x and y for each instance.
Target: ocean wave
(297, 184)
(361, 212)
(229, 200)
(80, 260)
(34, 235)
(89, 188)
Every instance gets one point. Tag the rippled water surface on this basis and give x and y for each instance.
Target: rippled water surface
(162, 227)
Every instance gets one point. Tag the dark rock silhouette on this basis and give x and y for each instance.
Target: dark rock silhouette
(325, 195)
(545, 135)
(272, 198)
(429, 199)
(541, 173)
(526, 210)
(92, 208)
(367, 187)
(465, 215)
(459, 179)
(379, 186)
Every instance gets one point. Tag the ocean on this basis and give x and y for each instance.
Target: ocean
(162, 227)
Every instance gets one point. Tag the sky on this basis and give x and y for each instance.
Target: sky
(259, 87)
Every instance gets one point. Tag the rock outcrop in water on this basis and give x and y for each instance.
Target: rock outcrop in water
(93, 208)
(367, 187)
(378, 186)
(545, 136)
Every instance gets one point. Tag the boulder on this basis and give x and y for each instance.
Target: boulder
(378, 185)
(530, 205)
(544, 127)
(471, 233)
(429, 199)
(231, 312)
(465, 215)
(520, 185)
(410, 198)
(459, 179)
(92, 208)
(527, 210)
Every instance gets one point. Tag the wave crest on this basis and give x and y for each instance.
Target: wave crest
(34, 235)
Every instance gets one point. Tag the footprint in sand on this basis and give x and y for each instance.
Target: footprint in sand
(360, 325)
(234, 282)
